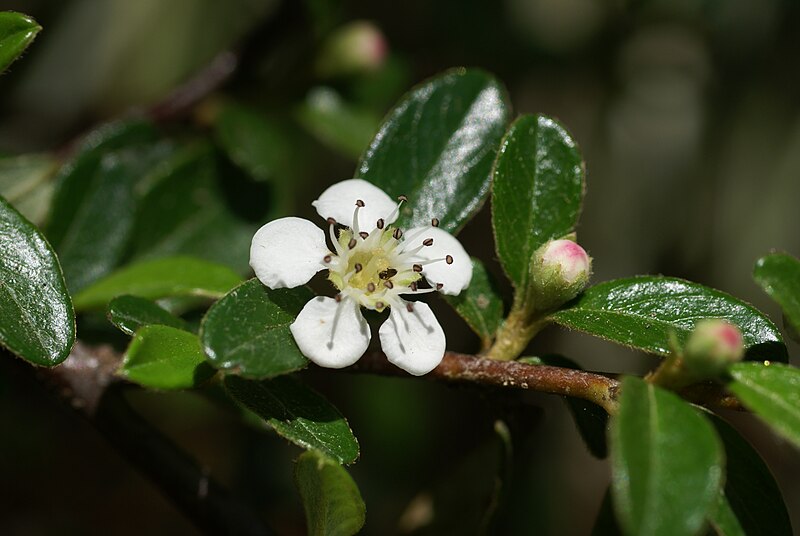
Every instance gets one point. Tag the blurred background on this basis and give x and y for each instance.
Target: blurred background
(687, 113)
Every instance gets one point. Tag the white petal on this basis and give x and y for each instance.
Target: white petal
(455, 277)
(339, 202)
(413, 340)
(287, 252)
(330, 333)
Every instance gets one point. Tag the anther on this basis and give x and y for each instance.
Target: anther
(388, 284)
(359, 203)
(413, 286)
(397, 233)
(358, 267)
(379, 223)
(435, 222)
(439, 286)
(331, 221)
(370, 287)
(364, 235)
(449, 259)
(352, 243)
(338, 298)
(417, 268)
(409, 307)
(379, 305)
(327, 258)
(427, 242)
(402, 198)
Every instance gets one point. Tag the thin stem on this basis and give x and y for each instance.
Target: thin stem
(519, 328)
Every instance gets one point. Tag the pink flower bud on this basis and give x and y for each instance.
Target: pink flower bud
(355, 47)
(568, 258)
(713, 345)
(560, 270)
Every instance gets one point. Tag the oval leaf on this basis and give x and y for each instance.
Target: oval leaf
(666, 462)
(480, 304)
(129, 313)
(36, 318)
(641, 312)
(779, 276)
(163, 357)
(437, 146)
(17, 31)
(247, 331)
(773, 393)
(298, 413)
(537, 192)
(26, 182)
(331, 499)
(160, 278)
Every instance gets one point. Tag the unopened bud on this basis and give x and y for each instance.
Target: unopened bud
(560, 270)
(353, 48)
(713, 345)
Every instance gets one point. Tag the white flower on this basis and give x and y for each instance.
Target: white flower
(372, 264)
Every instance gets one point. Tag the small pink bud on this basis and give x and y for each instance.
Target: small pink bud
(560, 270)
(713, 345)
(355, 47)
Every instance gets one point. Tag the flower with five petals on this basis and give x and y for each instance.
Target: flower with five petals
(371, 264)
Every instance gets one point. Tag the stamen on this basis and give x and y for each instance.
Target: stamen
(379, 224)
(397, 234)
(331, 221)
(439, 286)
(359, 203)
(421, 291)
(379, 305)
(409, 307)
(352, 243)
(435, 222)
(393, 216)
(358, 267)
(364, 235)
(326, 259)
(413, 286)
(427, 242)
(388, 273)
(370, 287)
(417, 268)
(449, 259)
(402, 198)
(388, 284)
(338, 298)
(332, 233)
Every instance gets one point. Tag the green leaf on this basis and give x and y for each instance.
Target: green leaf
(297, 413)
(247, 331)
(188, 212)
(160, 278)
(480, 304)
(36, 318)
(666, 462)
(129, 313)
(537, 192)
(779, 276)
(163, 357)
(331, 499)
(26, 183)
(336, 123)
(751, 494)
(437, 146)
(17, 31)
(723, 519)
(772, 392)
(643, 311)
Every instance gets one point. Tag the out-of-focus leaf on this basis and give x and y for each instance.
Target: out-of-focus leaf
(480, 304)
(643, 312)
(336, 123)
(537, 192)
(773, 393)
(37, 321)
(751, 494)
(298, 413)
(129, 313)
(437, 147)
(25, 182)
(189, 212)
(247, 331)
(159, 278)
(331, 499)
(779, 276)
(163, 357)
(17, 31)
(666, 461)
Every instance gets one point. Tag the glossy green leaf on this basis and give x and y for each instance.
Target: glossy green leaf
(36, 318)
(163, 357)
(17, 31)
(247, 331)
(480, 304)
(437, 147)
(642, 312)
(129, 313)
(773, 393)
(188, 212)
(751, 495)
(336, 123)
(26, 183)
(159, 278)
(537, 192)
(779, 276)
(298, 413)
(666, 461)
(331, 499)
